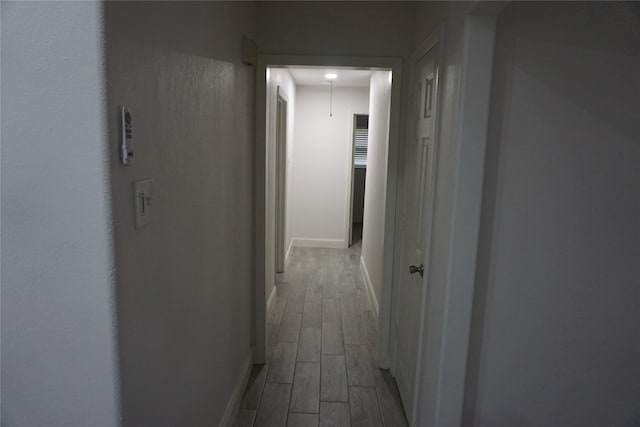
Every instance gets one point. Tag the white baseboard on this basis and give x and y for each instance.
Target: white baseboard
(319, 243)
(367, 281)
(288, 253)
(233, 406)
(270, 299)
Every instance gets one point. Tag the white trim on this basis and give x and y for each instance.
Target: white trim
(233, 406)
(381, 63)
(271, 298)
(473, 116)
(280, 180)
(472, 124)
(319, 243)
(427, 44)
(367, 281)
(288, 254)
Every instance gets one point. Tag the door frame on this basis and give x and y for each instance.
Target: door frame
(281, 179)
(471, 116)
(393, 64)
(350, 175)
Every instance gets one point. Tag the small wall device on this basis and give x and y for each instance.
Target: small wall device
(126, 147)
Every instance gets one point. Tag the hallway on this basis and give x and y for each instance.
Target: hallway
(321, 338)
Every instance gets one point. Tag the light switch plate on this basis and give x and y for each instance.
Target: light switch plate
(142, 201)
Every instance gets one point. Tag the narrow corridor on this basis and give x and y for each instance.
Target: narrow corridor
(321, 341)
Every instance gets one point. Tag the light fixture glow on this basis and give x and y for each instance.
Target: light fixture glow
(331, 76)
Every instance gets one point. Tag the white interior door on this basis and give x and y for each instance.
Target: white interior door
(420, 161)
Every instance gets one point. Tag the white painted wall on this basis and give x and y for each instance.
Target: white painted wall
(184, 286)
(58, 323)
(278, 77)
(376, 188)
(555, 327)
(322, 165)
(557, 306)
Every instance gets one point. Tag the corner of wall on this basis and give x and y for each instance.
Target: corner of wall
(376, 178)
(367, 280)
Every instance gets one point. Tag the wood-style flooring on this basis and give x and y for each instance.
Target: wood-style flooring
(321, 344)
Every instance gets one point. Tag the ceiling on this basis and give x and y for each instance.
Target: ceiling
(314, 76)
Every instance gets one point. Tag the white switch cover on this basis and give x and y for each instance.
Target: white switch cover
(143, 201)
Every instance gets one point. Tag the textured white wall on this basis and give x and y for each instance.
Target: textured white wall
(184, 281)
(282, 78)
(555, 326)
(58, 346)
(321, 161)
(557, 306)
(376, 189)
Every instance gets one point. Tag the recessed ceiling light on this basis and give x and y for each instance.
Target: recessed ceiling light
(331, 76)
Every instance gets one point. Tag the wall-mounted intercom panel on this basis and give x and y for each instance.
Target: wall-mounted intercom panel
(126, 147)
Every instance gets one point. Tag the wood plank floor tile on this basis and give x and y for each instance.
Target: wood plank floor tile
(302, 420)
(277, 307)
(272, 411)
(312, 315)
(332, 338)
(363, 302)
(289, 327)
(363, 404)
(330, 290)
(309, 345)
(295, 301)
(348, 305)
(314, 291)
(283, 362)
(333, 379)
(305, 396)
(330, 310)
(334, 414)
(274, 316)
(353, 330)
(360, 368)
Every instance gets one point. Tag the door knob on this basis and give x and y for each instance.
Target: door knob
(413, 269)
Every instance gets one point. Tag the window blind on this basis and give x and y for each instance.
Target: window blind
(361, 140)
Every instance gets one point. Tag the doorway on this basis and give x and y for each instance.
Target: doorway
(360, 142)
(265, 274)
(320, 312)
(281, 179)
(265, 173)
